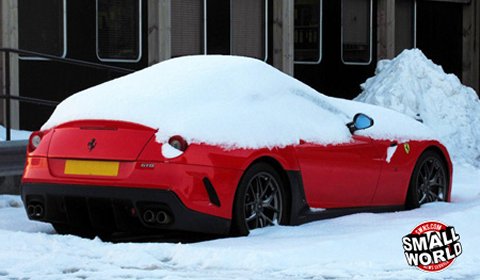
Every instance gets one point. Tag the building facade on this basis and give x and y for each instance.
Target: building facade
(332, 45)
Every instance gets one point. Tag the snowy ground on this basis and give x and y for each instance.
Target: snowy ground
(360, 246)
(15, 134)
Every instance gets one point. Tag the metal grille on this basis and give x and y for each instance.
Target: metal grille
(248, 28)
(118, 29)
(187, 27)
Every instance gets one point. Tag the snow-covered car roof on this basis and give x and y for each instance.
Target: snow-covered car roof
(230, 101)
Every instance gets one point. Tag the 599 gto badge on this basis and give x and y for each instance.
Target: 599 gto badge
(432, 246)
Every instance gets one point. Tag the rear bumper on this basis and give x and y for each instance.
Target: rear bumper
(115, 209)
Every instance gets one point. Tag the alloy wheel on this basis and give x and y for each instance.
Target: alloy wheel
(263, 201)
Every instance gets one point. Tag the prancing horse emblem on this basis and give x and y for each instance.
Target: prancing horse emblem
(92, 144)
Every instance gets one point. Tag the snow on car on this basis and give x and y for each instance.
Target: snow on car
(223, 144)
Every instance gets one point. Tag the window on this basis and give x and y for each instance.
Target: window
(308, 31)
(405, 14)
(248, 28)
(187, 22)
(237, 27)
(356, 31)
(42, 26)
(119, 30)
(218, 26)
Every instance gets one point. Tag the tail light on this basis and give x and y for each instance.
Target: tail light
(35, 140)
(178, 143)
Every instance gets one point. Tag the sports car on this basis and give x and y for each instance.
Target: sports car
(223, 145)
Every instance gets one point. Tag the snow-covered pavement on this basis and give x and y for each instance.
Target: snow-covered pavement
(360, 246)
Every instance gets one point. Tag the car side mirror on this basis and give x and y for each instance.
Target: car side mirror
(360, 121)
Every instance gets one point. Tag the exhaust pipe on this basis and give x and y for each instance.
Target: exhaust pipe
(162, 217)
(39, 211)
(31, 210)
(35, 211)
(149, 216)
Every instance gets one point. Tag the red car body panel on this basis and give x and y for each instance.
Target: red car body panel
(347, 175)
(343, 175)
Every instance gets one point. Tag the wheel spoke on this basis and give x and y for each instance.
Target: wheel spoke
(270, 198)
(436, 180)
(253, 216)
(259, 187)
(423, 197)
(431, 167)
(434, 174)
(272, 208)
(431, 196)
(251, 191)
(260, 221)
(424, 172)
(250, 203)
(270, 222)
(266, 187)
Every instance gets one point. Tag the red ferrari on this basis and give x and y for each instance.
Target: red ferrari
(90, 175)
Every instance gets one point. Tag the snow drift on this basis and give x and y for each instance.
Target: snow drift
(414, 85)
(229, 101)
(15, 134)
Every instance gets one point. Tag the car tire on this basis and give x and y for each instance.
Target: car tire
(260, 200)
(429, 181)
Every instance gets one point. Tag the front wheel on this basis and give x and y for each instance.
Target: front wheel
(429, 181)
(260, 200)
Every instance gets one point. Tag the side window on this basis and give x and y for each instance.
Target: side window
(43, 25)
(356, 31)
(118, 30)
(308, 31)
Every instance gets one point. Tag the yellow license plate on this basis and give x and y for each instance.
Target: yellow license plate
(91, 167)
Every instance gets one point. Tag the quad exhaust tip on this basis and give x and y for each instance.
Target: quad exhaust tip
(156, 217)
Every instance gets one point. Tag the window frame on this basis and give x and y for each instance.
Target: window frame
(120, 60)
(64, 54)
(370, 39)
(320, 44)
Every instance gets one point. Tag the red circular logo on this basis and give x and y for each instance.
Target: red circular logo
(432, 246)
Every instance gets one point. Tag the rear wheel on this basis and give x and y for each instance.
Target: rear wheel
(260, 200)
(429, 181)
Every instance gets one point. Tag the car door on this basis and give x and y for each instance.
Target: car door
(337, 176)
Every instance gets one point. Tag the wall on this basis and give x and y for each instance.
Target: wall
(1, 68)
(471, 45)
(9, 39)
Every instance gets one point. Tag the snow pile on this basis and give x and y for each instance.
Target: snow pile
(414, 85)
(10, 201)
(15, 134)
(229, 101)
